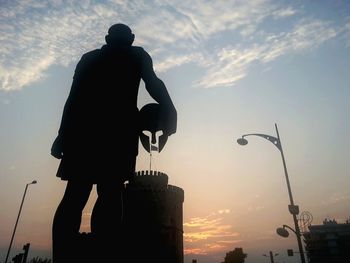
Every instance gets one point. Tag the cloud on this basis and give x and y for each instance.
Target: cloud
(209, 234)
(231, 63)
(212, 17)
(347, 33)
(336, 198)
(305, 34)
(176, 60)
(284, 12)
(35, 35)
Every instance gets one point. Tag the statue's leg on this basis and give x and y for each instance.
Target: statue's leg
(106, 219)
(67, 219)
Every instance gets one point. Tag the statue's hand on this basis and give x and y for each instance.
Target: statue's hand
(57, 148)
(170, 121)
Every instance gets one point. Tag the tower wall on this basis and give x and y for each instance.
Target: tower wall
(153, 218)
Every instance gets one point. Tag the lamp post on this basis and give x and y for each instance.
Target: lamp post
(293, 209)
(283, 232)
(19, 213)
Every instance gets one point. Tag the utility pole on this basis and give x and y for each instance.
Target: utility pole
(271, 256)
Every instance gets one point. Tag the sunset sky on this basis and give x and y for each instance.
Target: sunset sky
(231, 67)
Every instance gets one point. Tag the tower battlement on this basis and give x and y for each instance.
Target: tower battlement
(156, 182)
(150, 173)
(149, 179)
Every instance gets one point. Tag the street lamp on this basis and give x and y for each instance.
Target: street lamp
(283, 232)
(293, 209)
(20, 209)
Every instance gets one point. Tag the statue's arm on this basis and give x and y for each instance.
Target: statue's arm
(158, 91)
(57, 146)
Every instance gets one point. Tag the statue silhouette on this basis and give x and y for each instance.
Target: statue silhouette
(97, 140)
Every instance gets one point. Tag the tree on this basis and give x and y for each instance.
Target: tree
(235, 256)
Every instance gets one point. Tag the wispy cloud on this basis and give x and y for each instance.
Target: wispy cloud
(231, 63)
(209, 234)
(347, 33)
(336, 198)
(284, 12)
(176, 60)
(35, 35)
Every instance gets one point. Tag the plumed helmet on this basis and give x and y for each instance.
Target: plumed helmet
(150, 117)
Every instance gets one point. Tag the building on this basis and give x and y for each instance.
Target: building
(153, 219)
(329, 242)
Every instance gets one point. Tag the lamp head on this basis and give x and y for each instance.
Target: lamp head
(34, 182)
(281, 231)
(242, 141)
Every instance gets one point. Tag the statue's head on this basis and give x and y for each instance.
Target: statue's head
(151, 122)
(119, 35)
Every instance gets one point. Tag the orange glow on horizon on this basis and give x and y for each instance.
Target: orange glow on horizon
(209, 234)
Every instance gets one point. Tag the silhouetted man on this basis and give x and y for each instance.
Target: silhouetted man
(98, 138)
